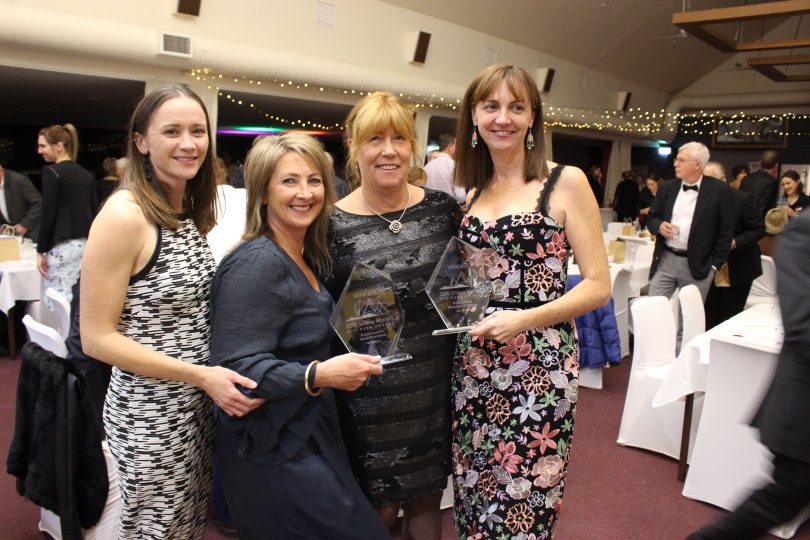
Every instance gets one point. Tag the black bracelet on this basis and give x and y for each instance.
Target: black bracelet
(309, 379)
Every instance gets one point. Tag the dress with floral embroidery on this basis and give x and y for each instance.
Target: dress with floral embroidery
(514, 402)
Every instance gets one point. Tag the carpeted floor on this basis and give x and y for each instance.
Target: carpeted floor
(613, 493)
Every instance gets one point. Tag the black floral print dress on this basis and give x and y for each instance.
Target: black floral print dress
(514, 402)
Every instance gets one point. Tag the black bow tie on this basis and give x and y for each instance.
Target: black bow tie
(687, 188)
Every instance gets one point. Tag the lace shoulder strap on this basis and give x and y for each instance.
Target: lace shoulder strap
(542, 200)
(475, 198)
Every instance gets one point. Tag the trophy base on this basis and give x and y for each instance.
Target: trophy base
(395, 359)
(456, 330)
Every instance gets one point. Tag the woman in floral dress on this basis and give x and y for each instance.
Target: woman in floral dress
(515, 374)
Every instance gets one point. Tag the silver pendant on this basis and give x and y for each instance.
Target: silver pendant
(395, 226)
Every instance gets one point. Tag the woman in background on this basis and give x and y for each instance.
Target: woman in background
(146, 276)
(515, 375)
(397, 428)
(69, 205)
(794, 191)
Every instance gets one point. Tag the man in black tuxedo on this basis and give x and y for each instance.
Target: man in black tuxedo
(782, 417)
(21, 203)
(744, 260)
(692, 218)
(762, 183)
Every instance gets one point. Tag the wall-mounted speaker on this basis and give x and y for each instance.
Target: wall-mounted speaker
(545, 76)
(623, 101)
(416, 47)
(189, 7)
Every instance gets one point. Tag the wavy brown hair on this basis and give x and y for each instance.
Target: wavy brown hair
(474, 166)
(200, 198)
(66, 135)
(373, 115)
(260, 164)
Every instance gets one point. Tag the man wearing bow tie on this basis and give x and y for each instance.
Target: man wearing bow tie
(692, 219)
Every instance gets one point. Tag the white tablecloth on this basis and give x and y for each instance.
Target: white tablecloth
(19, 280)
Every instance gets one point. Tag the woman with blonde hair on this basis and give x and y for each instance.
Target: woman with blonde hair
(515, 375)
(284, 468)
(775, 222)
(146, 276)
(397, 428)
(69, 205)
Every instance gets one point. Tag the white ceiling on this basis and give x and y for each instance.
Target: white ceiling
(631, 39)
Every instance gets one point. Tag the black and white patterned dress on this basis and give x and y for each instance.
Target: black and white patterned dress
(160, 432)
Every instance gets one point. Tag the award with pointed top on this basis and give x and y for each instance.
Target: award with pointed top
(368, 317)
(459, 287)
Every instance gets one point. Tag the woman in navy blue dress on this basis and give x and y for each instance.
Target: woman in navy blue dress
(284, 467)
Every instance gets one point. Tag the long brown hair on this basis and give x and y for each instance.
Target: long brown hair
(66, 135)
(200, 196)
(371, 115)
(260, 164)
(474, 166)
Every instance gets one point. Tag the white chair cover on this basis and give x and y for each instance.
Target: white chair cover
(45, 336)
(763, 290)
(656, 429)
(692, 313)
(614, 230)
(61, 309)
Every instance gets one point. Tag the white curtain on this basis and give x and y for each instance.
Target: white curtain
(619, 162)
(422, 119)
(547, 143)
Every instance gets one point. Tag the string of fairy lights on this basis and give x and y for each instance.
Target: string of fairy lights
(634, 121)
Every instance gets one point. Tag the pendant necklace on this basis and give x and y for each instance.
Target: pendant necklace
(394, 226)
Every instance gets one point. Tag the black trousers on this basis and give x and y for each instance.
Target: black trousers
(769, 506)
(722, 303)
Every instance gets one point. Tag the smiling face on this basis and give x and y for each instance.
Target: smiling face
(503, 120)
(295, 194)
(652, 185)
(49, 152)
(384, 159)
(790, 186)
(176, 140)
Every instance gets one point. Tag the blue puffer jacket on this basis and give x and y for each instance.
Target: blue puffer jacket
(598, 334)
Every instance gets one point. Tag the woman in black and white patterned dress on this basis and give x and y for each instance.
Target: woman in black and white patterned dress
(144, 309)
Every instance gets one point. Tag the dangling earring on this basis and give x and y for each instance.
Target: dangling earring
(147, 167)
(474, 140)
(530, 141)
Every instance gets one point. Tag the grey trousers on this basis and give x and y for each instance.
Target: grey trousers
(673, 273)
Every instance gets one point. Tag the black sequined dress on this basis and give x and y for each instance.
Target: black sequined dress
(397, 427)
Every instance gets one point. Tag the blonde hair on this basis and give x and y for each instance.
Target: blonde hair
(200, 197)
(775, 221)
(66, 135)
(260, 165)
(474, 166)
(372, 115)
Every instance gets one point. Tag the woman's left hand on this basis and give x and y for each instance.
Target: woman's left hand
(501, 326)
(42, 264)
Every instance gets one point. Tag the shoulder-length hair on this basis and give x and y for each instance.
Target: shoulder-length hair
(66, 135)
(200, 197)
(372, 115)
(474, 166)
(260, 165)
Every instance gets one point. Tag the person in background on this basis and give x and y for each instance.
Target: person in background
(738, 172)
(144, 309)
(341, 186)
(417, 177)
(782, 416)
(284, 467)
(594, 176)
(728, 293)
(690, 245)
(109, 181)
(20, 203)
(794, 193)
(230, 224)
(121, 168)
(647, 195)
(512, 428)
(775, 222)
(625, 198)
(440, 171)
(69, 204)
(762, 183)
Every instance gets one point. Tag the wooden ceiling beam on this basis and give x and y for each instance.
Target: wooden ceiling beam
(767, 66)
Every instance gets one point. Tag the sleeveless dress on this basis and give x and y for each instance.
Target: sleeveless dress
(397, 427)
(160, 432)
(513, 402)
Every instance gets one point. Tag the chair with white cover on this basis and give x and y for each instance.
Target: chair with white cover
(657, 429)
(614, 230)
(49, 523)
(61, 309)
(763, 290)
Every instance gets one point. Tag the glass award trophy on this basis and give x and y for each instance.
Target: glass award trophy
(368, 317)
(459, 287)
